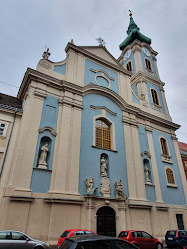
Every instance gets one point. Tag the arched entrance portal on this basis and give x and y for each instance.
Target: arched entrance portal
(106, 222)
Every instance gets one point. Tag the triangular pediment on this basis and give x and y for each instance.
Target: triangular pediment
(101, 52)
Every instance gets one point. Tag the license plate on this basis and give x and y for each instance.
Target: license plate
(170, 238)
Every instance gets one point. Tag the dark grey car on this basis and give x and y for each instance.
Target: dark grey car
(18, 240)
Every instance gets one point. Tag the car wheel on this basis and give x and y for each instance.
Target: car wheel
(158, 246)
(182, 244)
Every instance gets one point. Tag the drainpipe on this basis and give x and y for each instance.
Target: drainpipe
(6, 149)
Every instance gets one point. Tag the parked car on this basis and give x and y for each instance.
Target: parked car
(95, 242)
(176, 238)
(18, 240)
(71, 233)
(141, 239)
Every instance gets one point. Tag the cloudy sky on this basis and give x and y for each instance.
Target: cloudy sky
(28, 27)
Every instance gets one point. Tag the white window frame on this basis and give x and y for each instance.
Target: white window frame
(169, 184)
(131, 66)
(155, 106)
(165, 158)
(112, 131)
(5, 129)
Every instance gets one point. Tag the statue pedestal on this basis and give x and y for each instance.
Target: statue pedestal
(42, 165)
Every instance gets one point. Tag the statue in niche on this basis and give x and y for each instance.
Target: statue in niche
(43, 157)
(105, 187)
(147, 170)
(103, 166)
(89, 185)
(119, 190)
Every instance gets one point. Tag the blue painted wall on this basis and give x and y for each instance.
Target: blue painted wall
(89, 76)
(131, 58)
(149, 86)
(135, 99)
(90, 157)
(143, 56)
(40, 181)
(170, 195)
(150, 189)
(60, 69)
(134, 88)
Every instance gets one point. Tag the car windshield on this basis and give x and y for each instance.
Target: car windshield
(123, 234)
(65, 234)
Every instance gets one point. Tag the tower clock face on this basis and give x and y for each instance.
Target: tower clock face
(127, 54)
(145, 51)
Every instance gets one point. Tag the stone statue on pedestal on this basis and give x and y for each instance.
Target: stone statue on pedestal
(43, 157)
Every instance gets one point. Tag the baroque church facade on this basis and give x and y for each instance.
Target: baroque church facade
(93, 146)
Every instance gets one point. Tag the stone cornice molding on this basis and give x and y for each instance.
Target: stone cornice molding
(70, 102)
(138, 76)
(129, 121)
(40, 94)
(149, 129)
(105, 108)
(62, 85)
(49, 129)
(80, 50)
(174, 137)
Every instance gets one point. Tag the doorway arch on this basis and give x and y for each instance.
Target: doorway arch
(106, 221)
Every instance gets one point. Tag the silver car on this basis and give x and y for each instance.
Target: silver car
(18, 240)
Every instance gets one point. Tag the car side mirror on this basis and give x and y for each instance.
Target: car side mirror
(27, 239)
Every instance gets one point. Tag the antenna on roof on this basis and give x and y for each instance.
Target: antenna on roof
(101, 41)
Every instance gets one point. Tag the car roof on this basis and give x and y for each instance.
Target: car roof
(80, 238)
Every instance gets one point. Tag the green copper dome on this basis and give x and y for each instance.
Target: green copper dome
(133, 34)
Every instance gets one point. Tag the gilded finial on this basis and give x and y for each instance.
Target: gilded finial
(130, 14)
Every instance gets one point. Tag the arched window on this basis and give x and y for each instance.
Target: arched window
(164, 147)
(129, 66)
(155, 96)
(148, 64)
(103, 134)
(170, 176)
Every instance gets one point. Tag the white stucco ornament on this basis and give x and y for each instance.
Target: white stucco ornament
(105, 187)
(43, 157)
(89, 185)
(119, 190)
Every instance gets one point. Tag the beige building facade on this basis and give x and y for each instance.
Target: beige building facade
(91, 146)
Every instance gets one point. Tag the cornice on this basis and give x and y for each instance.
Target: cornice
(138, 76)
(11, 109)
(105, 108)
(118, 67)
(93, 89)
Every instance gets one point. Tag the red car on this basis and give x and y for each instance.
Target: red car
(141, 239)
(71, 233)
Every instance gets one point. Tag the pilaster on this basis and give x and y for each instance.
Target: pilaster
(133, 159)
(164, 102)
(156, 68)
(154, 165)
(27, 144)
(137, 57)
(65, 174)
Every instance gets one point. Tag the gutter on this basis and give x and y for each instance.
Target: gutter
(6, 149)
